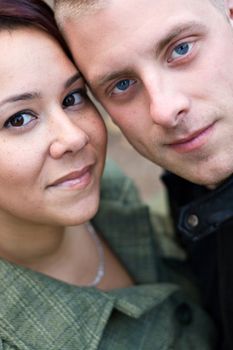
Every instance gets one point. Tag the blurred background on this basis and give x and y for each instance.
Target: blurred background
(145, 174)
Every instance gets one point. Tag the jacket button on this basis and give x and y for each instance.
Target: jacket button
(183, 313)
(193, 220)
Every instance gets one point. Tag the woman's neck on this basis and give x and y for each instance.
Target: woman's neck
(68, 254)
(26, 243)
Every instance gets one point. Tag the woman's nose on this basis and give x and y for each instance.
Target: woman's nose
(69, 137)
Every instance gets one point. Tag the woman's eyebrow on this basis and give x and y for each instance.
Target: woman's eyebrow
(36, 95)
(72, 80)
(21, 97)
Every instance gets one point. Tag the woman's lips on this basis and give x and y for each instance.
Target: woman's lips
(77, 179)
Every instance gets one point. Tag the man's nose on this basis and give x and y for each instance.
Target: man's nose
(68, 136)
(167, 104)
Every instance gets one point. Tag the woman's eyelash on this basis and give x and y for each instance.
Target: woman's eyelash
(71, 99)
(19, 120)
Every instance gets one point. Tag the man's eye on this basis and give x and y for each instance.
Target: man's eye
(181, 50)
(122, 86)
(75, 98)
(18, 120)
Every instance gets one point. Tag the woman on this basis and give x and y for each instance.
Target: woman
(62, 286)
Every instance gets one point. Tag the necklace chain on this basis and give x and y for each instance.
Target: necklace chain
(101, 268)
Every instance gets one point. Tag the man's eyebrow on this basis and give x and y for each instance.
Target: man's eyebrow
(21, 97)
(171, 34)
(176, 31)
(72, 80)
(102, 79)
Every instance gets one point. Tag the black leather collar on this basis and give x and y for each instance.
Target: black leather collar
(206, 214)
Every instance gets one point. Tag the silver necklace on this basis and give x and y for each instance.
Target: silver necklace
(101, 268)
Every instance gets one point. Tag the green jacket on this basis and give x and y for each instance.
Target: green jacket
(38, 312)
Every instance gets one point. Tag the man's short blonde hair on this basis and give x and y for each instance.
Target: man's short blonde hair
(66, 9)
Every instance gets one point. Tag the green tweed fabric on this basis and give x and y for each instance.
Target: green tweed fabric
(41, 313)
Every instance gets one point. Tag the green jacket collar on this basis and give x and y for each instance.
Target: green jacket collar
(36, 307)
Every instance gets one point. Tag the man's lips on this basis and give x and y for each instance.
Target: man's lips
(192, 141)
(73, 178)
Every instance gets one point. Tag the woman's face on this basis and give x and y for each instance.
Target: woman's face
(52, 140)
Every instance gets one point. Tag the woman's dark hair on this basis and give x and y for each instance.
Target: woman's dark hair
(30, 13)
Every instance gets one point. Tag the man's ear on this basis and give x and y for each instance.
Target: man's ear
(229, 9)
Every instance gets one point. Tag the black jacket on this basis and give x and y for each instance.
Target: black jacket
(204, 225)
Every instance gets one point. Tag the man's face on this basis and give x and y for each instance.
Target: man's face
(163, 70)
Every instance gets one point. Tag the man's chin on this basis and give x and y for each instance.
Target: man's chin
(210, 180)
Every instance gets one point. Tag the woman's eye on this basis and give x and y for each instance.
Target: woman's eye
(74, 98)
(181, 50)
(18, 120)
(122, 86)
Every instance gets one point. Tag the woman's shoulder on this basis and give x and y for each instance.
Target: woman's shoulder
(117, 186)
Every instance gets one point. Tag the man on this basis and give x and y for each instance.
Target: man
(163, 70)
